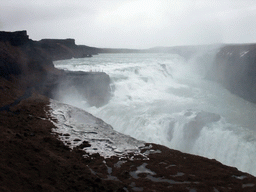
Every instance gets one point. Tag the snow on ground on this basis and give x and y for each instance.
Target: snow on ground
(75, 126)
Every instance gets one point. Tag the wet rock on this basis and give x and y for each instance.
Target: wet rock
(234, 67)
(193, 128)
(207, 117)
(94, 87)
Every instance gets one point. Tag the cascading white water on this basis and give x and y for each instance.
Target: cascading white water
(163, 98)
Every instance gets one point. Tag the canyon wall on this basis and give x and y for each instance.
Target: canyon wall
(29, 64)
(234, 67)
(60, 49)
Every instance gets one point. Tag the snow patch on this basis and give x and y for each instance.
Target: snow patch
(243, 53)
(75, 126)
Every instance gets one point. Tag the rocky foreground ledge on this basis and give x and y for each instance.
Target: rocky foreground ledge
(50, 146)
(43, 150)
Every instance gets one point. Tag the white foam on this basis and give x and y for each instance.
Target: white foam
(152, 94)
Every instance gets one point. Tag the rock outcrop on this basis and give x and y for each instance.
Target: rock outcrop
(234, 67)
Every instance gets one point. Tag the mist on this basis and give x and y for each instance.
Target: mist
(166, 99)
(133, 24)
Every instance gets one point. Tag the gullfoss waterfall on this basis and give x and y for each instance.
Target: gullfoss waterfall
(165, 99)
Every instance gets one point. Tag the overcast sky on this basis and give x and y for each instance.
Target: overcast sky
(133, 23)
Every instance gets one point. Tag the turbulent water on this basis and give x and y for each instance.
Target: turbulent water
(165, 99)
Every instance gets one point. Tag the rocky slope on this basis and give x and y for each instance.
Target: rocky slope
(49, 146)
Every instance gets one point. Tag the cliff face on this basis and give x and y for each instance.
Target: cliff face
(15, 38)
(21, 65)
(29, 64)
(93, 86)
(235, 67)
(60, 49)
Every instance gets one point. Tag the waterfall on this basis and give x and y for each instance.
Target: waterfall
(163, 98)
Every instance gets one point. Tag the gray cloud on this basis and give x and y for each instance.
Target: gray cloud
(133, 23)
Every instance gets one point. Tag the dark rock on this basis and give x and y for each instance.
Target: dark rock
(8, 68)
(52, 42)
(60, 49)
(95, 87)
(193, 128)
(234, 67)
(207, 117)
(32, 63)
(16, 38)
